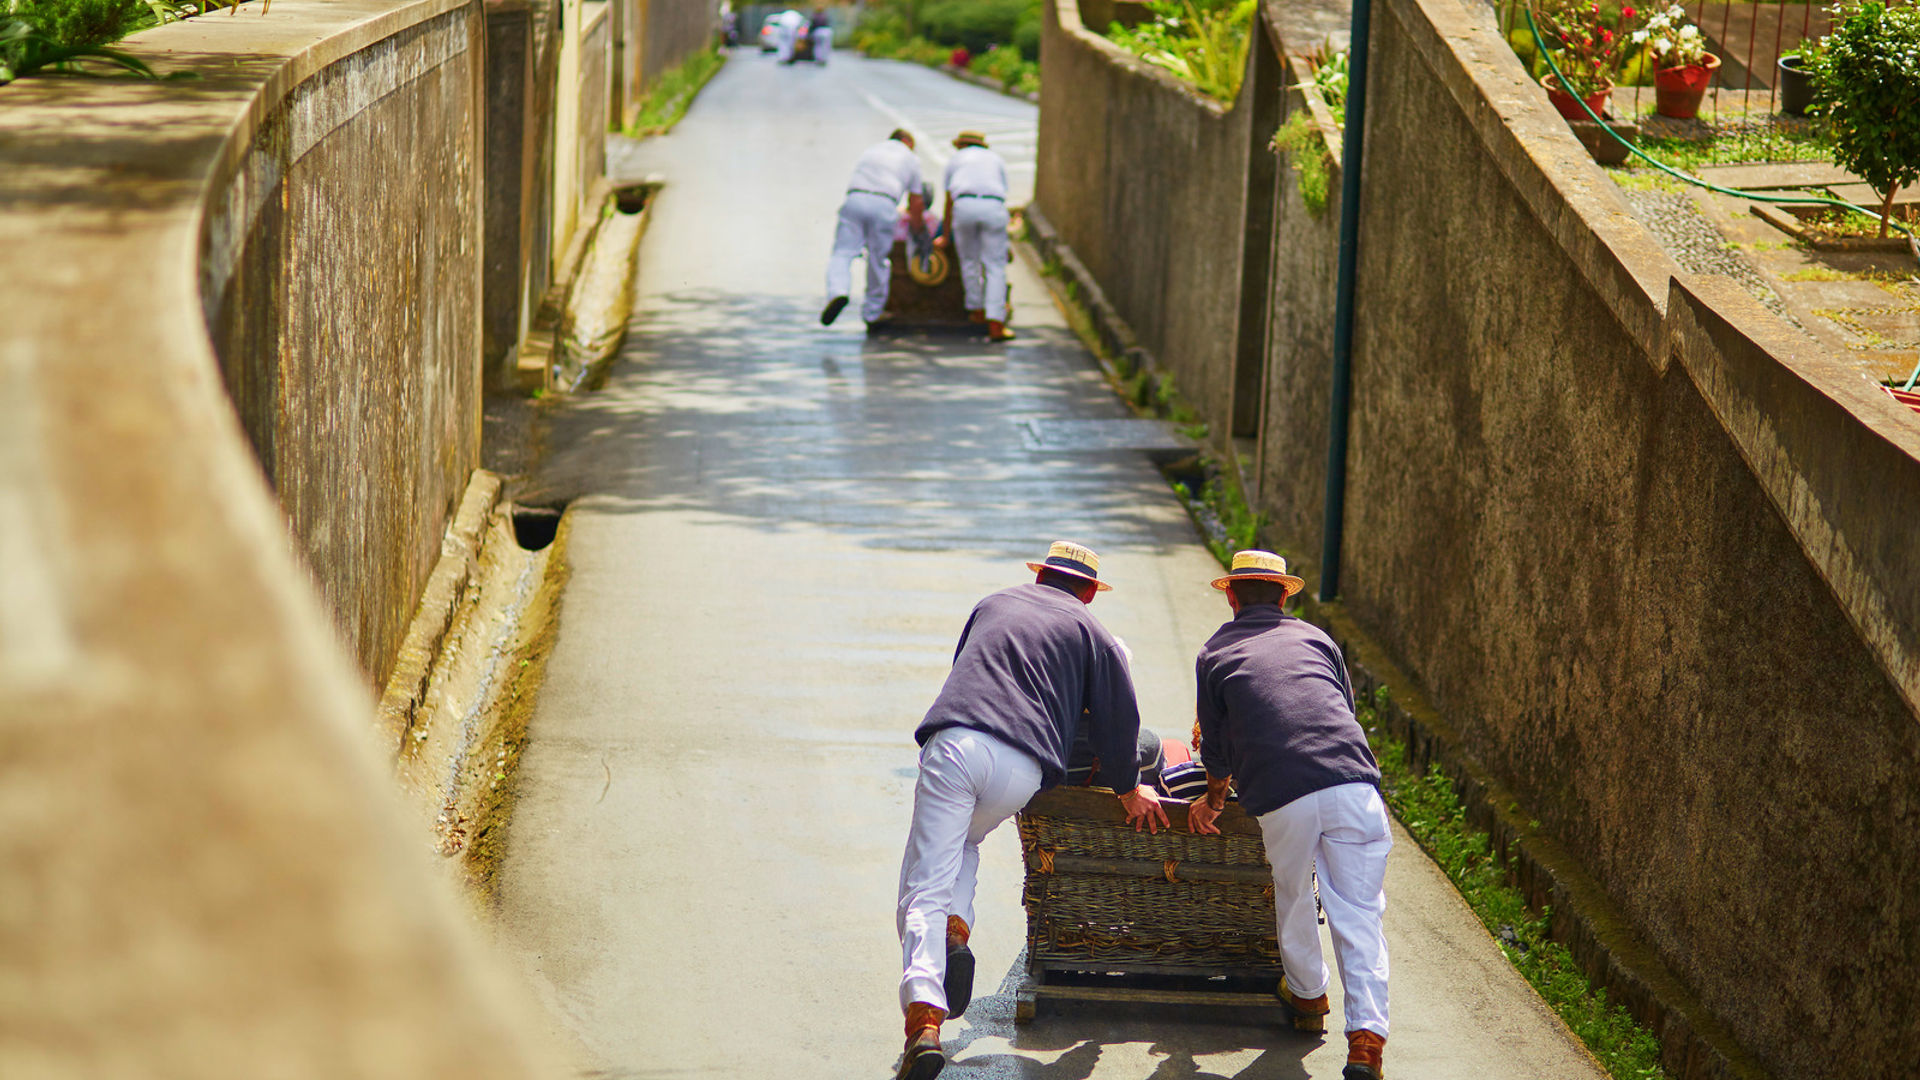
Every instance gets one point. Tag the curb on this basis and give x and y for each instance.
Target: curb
(1694, 1045)
(459, 553)
(988, 82)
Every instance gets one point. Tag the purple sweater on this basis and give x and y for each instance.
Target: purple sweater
(1030, 661)
(1276, 711)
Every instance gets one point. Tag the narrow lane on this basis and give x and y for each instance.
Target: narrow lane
(778, 530)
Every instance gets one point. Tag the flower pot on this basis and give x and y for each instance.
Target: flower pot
(1677, 90)
(1796, 86)
(1569, 105)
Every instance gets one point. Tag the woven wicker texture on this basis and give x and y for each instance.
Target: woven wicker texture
(1135, 907)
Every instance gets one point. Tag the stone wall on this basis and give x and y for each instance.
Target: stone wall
(1645, 548)
(343, 307)
(206, 865)
(1289, 468)
(1164, 242)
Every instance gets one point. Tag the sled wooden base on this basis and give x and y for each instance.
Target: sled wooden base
(1229, 998)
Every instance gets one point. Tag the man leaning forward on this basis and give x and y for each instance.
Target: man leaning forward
(1030, 662)
(885, 173)
(1276, 718)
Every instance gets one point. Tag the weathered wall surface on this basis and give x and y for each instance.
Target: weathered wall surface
(671, 30)
(1645, 548)
(206, 869)
(1146, 181)
(343, 307)
(595, 90)
(1589, 557)
(1290, 466)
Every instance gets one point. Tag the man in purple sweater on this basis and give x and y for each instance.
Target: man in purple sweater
(1276, 718)
(1030, 663)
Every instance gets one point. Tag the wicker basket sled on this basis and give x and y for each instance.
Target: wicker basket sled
(1123, 918)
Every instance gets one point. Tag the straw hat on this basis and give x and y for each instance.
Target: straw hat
(969, 137)
(1259, 566)
(1067, 557)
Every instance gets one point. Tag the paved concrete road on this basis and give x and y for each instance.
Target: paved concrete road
(778, 530)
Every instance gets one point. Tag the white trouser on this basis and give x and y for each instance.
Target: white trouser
(980, 239)
(783, 40)
(822, 44)
(969, 783)
(866, 222)
(1345, 830)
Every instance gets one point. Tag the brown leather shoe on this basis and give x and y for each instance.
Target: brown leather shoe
(997, 331)
(976, 315)
(1307, 1014)
(1363, 1055)
(922, 1059)
(959, 980)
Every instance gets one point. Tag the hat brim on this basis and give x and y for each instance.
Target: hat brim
(1098, 584)
(1292, 583)
(958, 143)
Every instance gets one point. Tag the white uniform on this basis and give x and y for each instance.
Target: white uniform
(969, 783)
(822, 43)
(885, 174)
(976, 178)
(1344, 830)
(792, 24)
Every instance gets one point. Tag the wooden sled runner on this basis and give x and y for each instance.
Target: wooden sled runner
(1122, 919)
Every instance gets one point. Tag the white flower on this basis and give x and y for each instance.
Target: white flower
(1689, 32)
(1639, 37)
(1662, 45)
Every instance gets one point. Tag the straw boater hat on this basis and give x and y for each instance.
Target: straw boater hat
(969, 137)
(1259, 566)
(1067, 557)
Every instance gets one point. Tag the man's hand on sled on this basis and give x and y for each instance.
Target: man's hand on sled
(1144, 810)
(1201, 816)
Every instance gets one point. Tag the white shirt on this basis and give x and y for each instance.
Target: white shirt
(975, 170)
(890, 169)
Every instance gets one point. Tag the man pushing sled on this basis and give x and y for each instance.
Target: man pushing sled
(1031, 662)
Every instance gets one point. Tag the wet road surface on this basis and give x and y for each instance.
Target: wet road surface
(777, 532)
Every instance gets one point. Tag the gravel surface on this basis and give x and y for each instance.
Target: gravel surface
(1696, 245)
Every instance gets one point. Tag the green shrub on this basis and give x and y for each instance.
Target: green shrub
(1300, 139)
(80, 23)
(1866, 82)
(1202, 41)
(978, 25)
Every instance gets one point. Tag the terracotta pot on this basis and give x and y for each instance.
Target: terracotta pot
(1569, 106)
(1796, 86)
(1677, 90)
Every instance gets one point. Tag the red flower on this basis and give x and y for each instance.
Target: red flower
(1606, 35)
(1626, 13)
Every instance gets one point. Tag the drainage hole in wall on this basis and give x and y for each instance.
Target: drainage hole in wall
(534, 526)
(633, 198)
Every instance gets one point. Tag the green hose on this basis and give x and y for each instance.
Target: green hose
(1540, 43)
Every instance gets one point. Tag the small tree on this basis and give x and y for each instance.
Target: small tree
(1866, 82)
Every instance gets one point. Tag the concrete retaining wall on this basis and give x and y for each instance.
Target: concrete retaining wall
(206, 865)
(1146, 181)
(344, 309)
(1645, 548)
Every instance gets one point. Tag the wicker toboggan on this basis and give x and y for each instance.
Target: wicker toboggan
(1119, 916)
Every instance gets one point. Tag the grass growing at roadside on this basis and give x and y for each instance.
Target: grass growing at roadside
(1429, 809)
(1732, 149)
(668, 100)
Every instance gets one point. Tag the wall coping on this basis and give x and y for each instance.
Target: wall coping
(170, 673)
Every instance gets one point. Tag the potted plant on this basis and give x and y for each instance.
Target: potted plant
(1683, 68)
(1866, 82)
(1584, 40)
(1796, 78)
